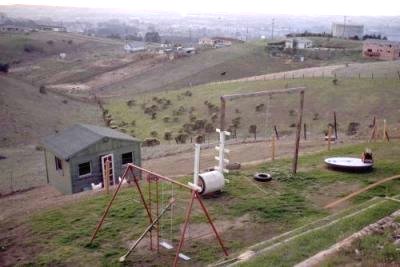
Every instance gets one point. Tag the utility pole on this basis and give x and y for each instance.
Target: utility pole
(247, 32)
(344, 26)
(272, 28)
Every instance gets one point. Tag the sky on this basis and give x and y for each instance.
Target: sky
(293, 7)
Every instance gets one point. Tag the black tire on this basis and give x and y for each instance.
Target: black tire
(262, 177)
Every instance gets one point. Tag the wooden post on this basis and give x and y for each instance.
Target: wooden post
(298, 132)
(107, 177)
(222, 114)
(273, 147)
(335, 124)
(329, 137)
(276, 132)
(305, 131)
(373, 133)
(384, 130)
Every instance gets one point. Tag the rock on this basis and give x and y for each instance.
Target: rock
(234, 166)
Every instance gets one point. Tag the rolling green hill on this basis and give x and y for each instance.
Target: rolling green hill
(354, 100)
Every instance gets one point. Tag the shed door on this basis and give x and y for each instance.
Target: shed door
(110, 160)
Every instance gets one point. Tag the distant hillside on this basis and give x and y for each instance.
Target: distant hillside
(27, 115)
(355, 101)
(19, 48)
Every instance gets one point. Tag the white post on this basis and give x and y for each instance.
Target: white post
(221, 151)
(196, 164)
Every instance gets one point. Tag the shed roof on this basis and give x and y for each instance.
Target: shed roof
(78, 137)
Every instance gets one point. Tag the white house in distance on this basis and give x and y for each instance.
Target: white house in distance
(133, 47)
(298, 43)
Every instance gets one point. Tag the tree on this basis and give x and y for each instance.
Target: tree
(153, 37)
(209, 128)
(235, 125)
(4, 67)
(253, 130)
(168, 136)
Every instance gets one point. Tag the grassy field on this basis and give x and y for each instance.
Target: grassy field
(60, 235)
(378, 98)
(383, 69)
(336, 43)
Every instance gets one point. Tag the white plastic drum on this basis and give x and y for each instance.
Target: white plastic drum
(348, 163)
(211, 182)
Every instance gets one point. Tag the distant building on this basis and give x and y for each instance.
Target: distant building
(218, 42)
(381, 49)
(347, 30)
(298, 43)
(133, 47)
(51, 28)
(76, 157)
(13, 28)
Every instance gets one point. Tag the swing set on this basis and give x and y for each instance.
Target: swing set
(155, 211)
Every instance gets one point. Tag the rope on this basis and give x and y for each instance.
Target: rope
(171, 213)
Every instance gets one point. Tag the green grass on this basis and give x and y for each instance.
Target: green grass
(63, 233)
(322, 97)
(373, 250)
(307, 245)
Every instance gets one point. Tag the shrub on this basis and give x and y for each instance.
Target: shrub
(187, 93)
(352, 128)
(168, 136)
(335, 81)
(131, 103)
(260, 107)
(151, 142)
(315, 116)
(42, 89)
(200, 139)
(181, 138)
(70, 42)
(166, 119)
(154, 133)
(4, 67)
(50, 42)
(65, 101)
(253, 130)
(29, 48)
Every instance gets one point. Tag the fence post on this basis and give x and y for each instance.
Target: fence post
(329, 137)
(273, 147)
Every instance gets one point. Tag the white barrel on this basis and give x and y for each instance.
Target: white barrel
(210, 182)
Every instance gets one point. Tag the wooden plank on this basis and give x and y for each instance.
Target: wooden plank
(262, 93)
(337, 202)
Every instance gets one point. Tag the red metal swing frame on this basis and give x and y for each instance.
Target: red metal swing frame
(134, 171)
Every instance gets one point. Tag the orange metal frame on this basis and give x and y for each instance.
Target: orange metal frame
(154, 177)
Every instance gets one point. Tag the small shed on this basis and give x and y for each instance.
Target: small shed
(76, 157)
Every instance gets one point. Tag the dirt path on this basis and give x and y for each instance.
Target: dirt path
(326, 71)
(19, 205)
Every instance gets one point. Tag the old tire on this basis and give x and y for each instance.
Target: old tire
(262, 177)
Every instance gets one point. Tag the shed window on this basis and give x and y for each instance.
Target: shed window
(58, 163)
(127, 158)
(84, 168)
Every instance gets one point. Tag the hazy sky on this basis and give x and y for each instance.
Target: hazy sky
(301, 7)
